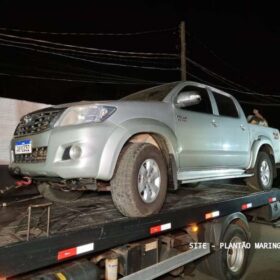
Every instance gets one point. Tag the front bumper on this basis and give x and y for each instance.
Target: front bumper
(91, 138)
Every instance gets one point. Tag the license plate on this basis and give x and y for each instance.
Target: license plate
(23, 147)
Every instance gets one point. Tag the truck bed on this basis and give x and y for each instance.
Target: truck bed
(94, 220)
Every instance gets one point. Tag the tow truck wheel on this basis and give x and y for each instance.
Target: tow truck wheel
(139, 184)
(54, 194)
(263, 173)
(229, 262)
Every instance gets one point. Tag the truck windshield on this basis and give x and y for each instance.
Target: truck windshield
(151, 94)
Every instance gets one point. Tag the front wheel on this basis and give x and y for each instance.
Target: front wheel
(263, 173)
(140, 181)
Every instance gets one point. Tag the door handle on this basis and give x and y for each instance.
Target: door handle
(214, 123)
(242, 127)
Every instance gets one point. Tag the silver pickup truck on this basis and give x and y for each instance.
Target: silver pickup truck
(137, 147)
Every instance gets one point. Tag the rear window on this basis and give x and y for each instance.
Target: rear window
(225, 105)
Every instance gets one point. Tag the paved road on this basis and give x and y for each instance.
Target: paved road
(264, 264)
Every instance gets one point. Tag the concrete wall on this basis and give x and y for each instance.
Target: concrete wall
(11, 110)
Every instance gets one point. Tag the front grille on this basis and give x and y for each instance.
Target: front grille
(38, 155)
(37, 122)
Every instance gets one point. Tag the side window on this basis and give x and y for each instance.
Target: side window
(225, 105)
(205, 104)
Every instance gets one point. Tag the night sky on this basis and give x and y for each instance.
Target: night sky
(233, 45)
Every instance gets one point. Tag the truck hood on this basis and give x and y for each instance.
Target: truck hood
(116, 103)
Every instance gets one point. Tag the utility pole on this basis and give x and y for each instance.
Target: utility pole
(182, 29)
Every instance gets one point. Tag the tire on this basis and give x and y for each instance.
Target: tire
(223, 263)
(130, 195)
(56, 195)
(257, 181)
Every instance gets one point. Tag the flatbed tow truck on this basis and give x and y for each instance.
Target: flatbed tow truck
(90, 239)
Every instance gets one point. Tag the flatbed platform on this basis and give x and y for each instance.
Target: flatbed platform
(95, 210)
(94, 222)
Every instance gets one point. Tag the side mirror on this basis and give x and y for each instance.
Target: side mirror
(187, 98)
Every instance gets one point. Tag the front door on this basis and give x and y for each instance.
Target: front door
(198, 135)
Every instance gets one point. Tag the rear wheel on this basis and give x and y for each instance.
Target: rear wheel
(140, 181)
(229, 262)
(58, 195)
(263, 173)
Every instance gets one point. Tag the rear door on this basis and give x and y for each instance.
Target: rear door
(234, 131)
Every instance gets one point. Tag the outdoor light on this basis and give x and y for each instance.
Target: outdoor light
(194, 228)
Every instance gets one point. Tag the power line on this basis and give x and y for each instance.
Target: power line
(91, 73)
(252, 93)
(88, 54)
(87, 33)
(218, 86)
(112, 52)
(109, 75)
(204, 68)
(233, 83)
(94, 61)
(211, 51)
(260, 104)
(99, 77)
(225, 63)
(150, 61)
(233, 89)
(66, 80)
(87, 48)
(210, 72)
(229, 66)
(114, 76)
(111, 82)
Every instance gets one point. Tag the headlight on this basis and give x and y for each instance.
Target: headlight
(86, 114)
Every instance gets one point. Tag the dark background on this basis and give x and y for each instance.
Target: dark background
(239, 40)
